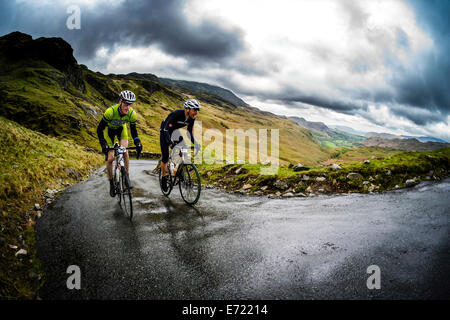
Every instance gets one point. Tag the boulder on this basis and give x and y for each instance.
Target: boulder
(354, 176)
(246, 186)
(335, 167)
(410, 182)
(280, 184)
(321, 179)
(299, 167)
(21, 252)
(288, 195)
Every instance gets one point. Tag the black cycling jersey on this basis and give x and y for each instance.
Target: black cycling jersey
(176, 120)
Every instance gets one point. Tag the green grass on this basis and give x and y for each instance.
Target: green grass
(43, 99)
(31, 164)
(400, 165)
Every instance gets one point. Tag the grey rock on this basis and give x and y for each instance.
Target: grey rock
(37, 206)
(388, 173)
(321, 179)
(354, 176)
(246, 186)
(21, 252)
(281, 184)
(410, 182)
(366, 161)
(300, 194)
(299, 167)
(335, 167)
(305, 177)
(288, 195)
(309, 189)
(365, 183)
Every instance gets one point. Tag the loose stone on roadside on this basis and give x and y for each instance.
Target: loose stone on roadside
(335, 167)
(300, 167)
(354, 176)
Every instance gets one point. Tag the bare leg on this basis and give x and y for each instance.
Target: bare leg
(163, 169)
(124, 143)
(109, 164)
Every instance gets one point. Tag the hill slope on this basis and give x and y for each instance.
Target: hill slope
(33, 164)
(59, 97)
(328, 137)
(404, 144)
(204, 88)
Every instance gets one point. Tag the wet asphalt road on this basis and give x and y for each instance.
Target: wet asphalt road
(239, 247)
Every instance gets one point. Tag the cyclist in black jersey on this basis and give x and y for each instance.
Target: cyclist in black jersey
(176, 119)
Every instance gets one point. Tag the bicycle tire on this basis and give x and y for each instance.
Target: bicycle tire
(189, 183)
(117, 187)
(169, 181)
(126, 194)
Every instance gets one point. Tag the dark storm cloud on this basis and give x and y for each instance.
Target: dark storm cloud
(134, 23)
(426, 85)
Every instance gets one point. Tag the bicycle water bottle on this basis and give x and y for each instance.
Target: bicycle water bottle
(172, 168)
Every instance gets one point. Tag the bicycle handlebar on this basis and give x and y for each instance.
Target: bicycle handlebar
(128, 148)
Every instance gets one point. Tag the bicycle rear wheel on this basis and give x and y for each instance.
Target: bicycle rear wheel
(169, 181)
(126, 194)
(190, 184)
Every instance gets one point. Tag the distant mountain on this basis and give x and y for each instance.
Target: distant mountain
(314, 126)
(204, 88)
(426, 139)
(381, 135)
(347, 129)
(327, 137)
(404, 144)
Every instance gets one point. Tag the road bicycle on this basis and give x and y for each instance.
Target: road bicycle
(182, 173)
(122, 180)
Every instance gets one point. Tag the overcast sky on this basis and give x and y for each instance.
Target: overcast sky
(371, 65)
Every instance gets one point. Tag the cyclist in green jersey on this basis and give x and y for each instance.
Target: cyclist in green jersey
(114, 124)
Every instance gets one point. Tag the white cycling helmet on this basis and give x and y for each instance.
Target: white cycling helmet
(127, 96)
(192, 104)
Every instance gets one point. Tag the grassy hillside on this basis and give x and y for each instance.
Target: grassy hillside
(32, 164)
(68, 100)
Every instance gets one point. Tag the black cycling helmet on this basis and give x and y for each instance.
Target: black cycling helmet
(127, 96)
(192, 104)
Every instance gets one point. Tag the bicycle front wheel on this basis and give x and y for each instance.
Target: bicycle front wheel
(190, 184)
(127, 203)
